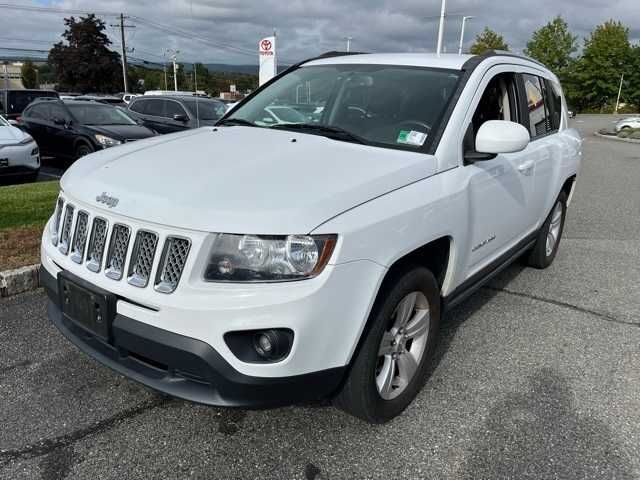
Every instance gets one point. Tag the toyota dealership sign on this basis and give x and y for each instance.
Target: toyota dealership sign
(268, 64)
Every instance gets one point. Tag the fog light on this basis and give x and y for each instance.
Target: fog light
(267, 344)
(260, 346)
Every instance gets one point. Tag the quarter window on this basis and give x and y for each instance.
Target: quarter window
(539, 117)
(139, 106)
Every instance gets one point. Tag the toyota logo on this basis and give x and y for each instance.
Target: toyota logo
(265, 45)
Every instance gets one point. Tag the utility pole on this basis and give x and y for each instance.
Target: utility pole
(348, 39)
(619, 92)
(122, 26)
(464, 21)
(443, 13)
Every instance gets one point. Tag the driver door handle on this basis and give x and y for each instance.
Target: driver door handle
(526, 168)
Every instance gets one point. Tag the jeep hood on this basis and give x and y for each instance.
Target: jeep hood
(241, 179)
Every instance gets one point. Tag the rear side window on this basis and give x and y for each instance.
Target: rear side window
(56, 111)
(38, 112)
(554, 92)
(540, 122)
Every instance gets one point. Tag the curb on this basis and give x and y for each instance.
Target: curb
(19, 280)
(616, 139)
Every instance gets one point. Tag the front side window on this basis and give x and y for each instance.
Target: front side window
(206, 109)
(173, 108)
(383, 105)
(155, 108)
(539, 120)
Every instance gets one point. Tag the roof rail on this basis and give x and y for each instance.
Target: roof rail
(475, 60)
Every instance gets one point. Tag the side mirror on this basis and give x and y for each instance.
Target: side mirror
(59, 121)
(179, 117)
(501, 136)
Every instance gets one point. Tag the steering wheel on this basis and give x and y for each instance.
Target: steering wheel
(423, 127)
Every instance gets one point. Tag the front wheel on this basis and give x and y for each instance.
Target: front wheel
(391, 365)
(83, 149)
(548, 241)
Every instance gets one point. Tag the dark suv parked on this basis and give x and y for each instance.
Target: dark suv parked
(168, 114)
(76, 128)
(13, 102)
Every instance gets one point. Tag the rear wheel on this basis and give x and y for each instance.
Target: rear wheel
(391, 365)
(548, 240)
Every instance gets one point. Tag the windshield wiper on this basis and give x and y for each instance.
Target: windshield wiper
(335, 133)
(236, 121)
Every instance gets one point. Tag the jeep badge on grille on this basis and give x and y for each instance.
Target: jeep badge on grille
(107, 200)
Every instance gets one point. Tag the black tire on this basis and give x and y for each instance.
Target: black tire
(359, 395)
(83, 149)
(538, 256)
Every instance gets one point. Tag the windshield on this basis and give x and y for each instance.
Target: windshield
(206, 109)
(97, 114)
(384, 105)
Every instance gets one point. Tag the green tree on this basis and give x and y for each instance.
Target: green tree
(29, 75)
(606, 56)
(488, 40)
(631, 88)
(85, 63)
(553, 45)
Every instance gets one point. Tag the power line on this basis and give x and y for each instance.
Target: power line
(149, 23)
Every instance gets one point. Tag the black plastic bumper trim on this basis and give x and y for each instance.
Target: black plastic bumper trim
(185, 367)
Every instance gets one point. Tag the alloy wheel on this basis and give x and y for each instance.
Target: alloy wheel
(403, 345)
(554, 228)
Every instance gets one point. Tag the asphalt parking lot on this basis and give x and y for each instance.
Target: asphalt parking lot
(537, 376)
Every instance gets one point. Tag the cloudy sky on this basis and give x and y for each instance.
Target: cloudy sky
(227, 31)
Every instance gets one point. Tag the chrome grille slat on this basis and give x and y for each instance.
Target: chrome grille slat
(97, 242)
(141, 263)
(65, 234)
(172, 262)
(80, 237)
(55, 227)
(117, 254)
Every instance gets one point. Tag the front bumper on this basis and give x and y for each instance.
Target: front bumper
(18, 159)
(185, 367)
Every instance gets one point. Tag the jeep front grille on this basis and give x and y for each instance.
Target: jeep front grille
(96, 244)
(174, 257)
(65, 235)
(117, 254)
(55, 227)
(90, 240)
(144, 250)
(80, 237)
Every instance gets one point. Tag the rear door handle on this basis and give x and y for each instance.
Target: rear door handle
(526, 168)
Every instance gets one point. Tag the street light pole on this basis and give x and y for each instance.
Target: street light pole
(174, 57)
(464, 22)
(348, 39)
(443, 10)
(619, 92)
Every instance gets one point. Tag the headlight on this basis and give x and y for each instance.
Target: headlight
(253, 258)
(27, 140)
(107, 141)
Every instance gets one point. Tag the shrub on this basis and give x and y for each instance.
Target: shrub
(635, 135)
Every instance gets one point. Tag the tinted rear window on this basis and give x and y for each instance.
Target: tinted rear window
(18, 100)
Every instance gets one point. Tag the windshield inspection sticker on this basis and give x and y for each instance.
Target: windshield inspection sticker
(411, 137)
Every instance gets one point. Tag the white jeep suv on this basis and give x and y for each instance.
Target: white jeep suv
(258, 264)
